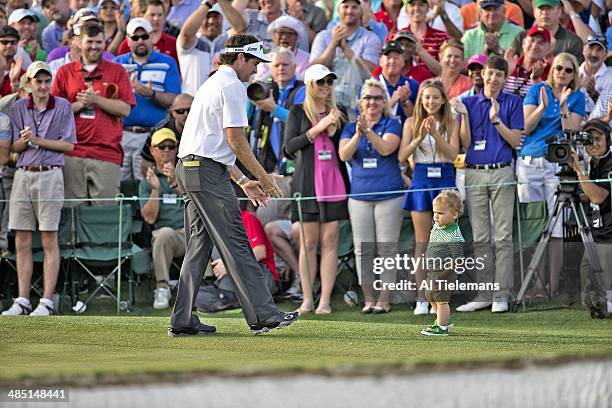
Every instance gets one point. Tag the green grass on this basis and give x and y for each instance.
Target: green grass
(69, 348)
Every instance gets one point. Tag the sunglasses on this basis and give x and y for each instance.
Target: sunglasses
(560, 68)
(144, 37)
(8, 42)
(167, 146)
(181, 111)
(373, 97)
(286, 33)
(329, 81)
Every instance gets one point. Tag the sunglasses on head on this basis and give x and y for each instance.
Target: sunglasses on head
(329, 81)
(166, 146)
(140, 37)
(567, 70)
(8, 42)
(373, 97)
(181, 111)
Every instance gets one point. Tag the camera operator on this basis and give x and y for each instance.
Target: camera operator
(598, 195)
(550, 108)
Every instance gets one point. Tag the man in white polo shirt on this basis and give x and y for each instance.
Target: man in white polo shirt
(212, 138)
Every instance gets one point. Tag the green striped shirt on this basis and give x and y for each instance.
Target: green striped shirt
(444, 243)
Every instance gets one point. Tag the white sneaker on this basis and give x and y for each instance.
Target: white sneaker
(432, 311)
(499, 307)
(44, 308)
(422, 308)
(473, 306)
(161, 298)
(20, 306)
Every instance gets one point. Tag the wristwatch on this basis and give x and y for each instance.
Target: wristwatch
(495, 123)
(241, 180)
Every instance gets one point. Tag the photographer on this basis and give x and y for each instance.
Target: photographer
(598, 195)
(550, 108)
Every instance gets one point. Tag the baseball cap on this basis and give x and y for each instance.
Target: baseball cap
(405, 34)
(20, 14)
(598, 39)
(412, 1)
(392, 46)
(344, 1)
(491, 3)
(8, 31)
(117, 3)
(479, 59)
(318, 71)
(162, 135)
(255, 49)
(597, 124)
(537, 30)
(84, 14)
(36, 67)
(550, 3)
(137, 23)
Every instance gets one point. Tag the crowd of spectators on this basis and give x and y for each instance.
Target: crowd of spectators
(361, 101)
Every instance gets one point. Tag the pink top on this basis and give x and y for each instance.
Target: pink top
(461, 84)
(327, 177)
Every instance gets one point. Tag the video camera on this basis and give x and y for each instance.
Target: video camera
(560, 150)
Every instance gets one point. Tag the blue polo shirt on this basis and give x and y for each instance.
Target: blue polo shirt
(163, 74)
(387, 176)
(497, 150)
(550, 123)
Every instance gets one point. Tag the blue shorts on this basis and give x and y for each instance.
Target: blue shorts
(422, 200)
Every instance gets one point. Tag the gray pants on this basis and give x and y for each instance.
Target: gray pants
(212, 216)
(376, 229)
(501, 200)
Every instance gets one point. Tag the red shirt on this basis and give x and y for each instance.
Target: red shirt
(418, 72)
(166, 45)
(98, 137)
(383, 17)
(6, 88)
(257, 236)
(432, 40)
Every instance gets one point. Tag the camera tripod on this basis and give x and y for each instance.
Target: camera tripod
(595, 296)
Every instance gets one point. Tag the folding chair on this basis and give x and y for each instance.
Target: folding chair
(346, 257)
(103, 239)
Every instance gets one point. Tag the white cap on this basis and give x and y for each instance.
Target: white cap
(20, 14)
(254, 49)
(217, 9)
(137, 23)
(84, 14)
(316, 72)
(36, 67)
(117, 3)
(287, 22)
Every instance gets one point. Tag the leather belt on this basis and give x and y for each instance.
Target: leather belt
(39, 168)
(491, 166)
(138, 129)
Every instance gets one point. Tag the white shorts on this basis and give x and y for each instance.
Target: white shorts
(538, 182)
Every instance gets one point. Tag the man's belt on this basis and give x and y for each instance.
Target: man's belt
(39, 168)
(491, 166)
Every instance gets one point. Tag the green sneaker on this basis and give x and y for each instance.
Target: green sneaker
(434, 330)
(451, 322)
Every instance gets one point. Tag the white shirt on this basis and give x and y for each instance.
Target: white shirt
(452, 11)
(220, 103)
(603, 81)
(195, 64)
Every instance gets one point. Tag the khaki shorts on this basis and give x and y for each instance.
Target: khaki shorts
(28, 207)
(436, 293)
